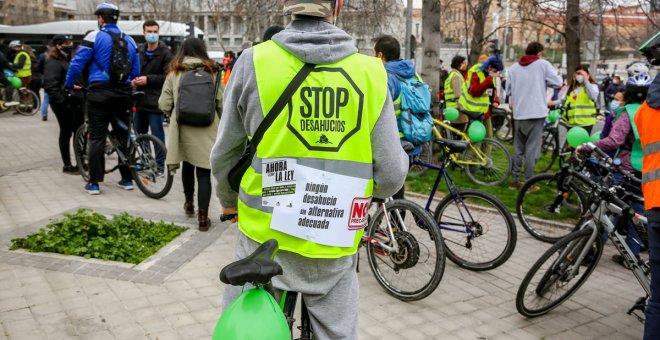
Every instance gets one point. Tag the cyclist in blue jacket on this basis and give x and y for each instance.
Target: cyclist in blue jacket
(108, 53)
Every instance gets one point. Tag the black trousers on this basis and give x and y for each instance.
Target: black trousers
(104, 107)
(188, 173)
(69, 118)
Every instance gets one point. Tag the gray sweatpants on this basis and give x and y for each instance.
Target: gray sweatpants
(526, 145)
(329, 286)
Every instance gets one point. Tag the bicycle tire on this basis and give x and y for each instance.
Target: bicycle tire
(429, 251)
(549, 151)
(80, 144)
(553, 225)
(145, 168)
(498, 168)
(460, 248)
(425, 156)
(571, 245)
(28, 106)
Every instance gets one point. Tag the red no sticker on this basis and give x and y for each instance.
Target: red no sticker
(359, 212)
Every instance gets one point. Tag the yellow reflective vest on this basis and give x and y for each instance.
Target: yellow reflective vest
(451, 98)
(300, 188)
(581, 109)
(26, 70)
(470, 104)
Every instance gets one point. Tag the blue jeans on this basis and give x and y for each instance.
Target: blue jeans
(44, 105)
(652, 323)
(143, 121)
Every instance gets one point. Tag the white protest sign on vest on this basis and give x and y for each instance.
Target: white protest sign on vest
(323, 207)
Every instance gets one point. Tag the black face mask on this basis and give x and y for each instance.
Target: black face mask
(67, 50)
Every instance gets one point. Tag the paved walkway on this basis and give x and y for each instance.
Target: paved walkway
(185, 303)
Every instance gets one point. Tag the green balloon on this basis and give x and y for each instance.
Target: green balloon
(451, 113)
(553, 116)
(254, 315)
(477, 131)
(577, 136)
(595, 137)
(15, 82)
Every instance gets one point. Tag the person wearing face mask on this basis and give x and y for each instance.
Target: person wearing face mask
(613, 88)
(478, 91)
(66, 106)
(228, 63)
(580, 99)
(154, 60)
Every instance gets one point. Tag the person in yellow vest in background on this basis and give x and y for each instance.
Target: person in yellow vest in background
(453, 85)
(22, 63)
(479, 86)
(580, 99)
(335, 141)
(647, 121)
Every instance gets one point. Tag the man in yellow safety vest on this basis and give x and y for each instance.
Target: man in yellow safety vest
(332, 146)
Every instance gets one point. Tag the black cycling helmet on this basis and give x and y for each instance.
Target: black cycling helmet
(107, 10)
(651, 50)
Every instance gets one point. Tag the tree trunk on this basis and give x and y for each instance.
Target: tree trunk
(431, 46)
(479, 16)
(572, 35)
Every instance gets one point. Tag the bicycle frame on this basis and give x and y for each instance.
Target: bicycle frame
(377, 241)
(453, 191)
(599, 223)
(483, 158)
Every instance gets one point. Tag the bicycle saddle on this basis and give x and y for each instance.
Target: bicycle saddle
(257, 268)
(453, 146)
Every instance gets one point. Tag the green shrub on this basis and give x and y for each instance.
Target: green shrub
(88, 234)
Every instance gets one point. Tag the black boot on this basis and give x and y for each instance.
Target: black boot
(203, 219)
(189, 206)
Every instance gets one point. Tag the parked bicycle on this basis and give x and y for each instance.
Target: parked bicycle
(145, 155)
(24, 100)
(563, 268)
(404, 249)
(502, 120)
(486, 163)
(478, 231)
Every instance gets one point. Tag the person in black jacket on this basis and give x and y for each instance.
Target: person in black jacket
(66, 106)
(155, 58)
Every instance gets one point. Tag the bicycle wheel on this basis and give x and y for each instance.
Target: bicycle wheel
(28, 102)
(478, 231)
(542, 211)
(549, 282)
(549, 151)
(425, 156)
(497, 166)
(80, 143)
(147, 162)
(415, 270)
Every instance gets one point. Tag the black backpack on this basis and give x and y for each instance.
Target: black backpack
(120, 60)
(197, 98)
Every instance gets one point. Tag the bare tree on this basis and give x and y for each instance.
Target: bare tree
(572, 35)
(431, 39)
(479, 13)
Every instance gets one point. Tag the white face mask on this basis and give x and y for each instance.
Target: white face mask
(579, 78)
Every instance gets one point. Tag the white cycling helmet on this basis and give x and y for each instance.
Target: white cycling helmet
(637, 68)
(640, 79)
(14, 44)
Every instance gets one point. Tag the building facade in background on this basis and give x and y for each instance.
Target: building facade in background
(26, 12)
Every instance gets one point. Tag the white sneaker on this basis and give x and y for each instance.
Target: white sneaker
(10, 104)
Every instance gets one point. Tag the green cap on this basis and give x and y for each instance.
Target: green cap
(315, 8)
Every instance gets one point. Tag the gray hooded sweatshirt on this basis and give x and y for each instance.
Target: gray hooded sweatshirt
(316, 42)
(329, 286)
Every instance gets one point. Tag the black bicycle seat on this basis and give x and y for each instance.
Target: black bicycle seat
(453, 146)
(137, 95)
(257, 268)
